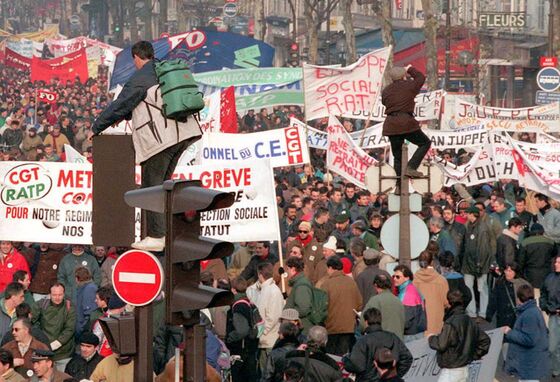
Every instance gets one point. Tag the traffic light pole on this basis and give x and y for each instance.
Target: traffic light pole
(194, 355)
(404, 212)
(143, 360)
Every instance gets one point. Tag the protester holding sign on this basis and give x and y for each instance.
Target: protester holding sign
(400, 124)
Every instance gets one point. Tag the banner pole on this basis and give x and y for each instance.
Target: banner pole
(305, 116)
(36, 106)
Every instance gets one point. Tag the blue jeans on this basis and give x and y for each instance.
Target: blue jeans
(482, 283)
(554, 342)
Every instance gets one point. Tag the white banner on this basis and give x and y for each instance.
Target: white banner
(51, 202)
(284, 147)
(344, 157)
(254, 215)
(46, 202)
(63, 47)
(347, 90)
(541, 118)
(428, 106)
(425, 368)
(73, 156)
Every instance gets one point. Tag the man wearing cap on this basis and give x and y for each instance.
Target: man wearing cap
(400, 124)
(479, 252)
(320, 271)
(342, 230)
(67, 267)
(359, 229)
(22, 346)
(43, 366)
(82, 365)
(365, 279)
(344, 297)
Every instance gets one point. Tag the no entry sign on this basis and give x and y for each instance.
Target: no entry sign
(137, 277)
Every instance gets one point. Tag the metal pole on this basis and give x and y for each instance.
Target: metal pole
(550, 28)
(447, 44)
(404, 212)
(194, 355)
(328, 34)
(143, 360)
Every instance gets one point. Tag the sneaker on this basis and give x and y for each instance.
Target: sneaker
(411, 173)
(156, 244)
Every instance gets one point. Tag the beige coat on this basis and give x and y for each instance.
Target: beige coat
(434, 288)
(344, 297)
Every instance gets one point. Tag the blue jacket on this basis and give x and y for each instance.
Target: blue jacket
(528, 356)
(85, 305)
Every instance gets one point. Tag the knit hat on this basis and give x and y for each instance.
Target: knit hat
(331, 243)
(371, 254)
(88, 338)
(397, 73)
(473, 210)
(304, 225)
(359, 224)
(346, 265)
(344, 216)
(289, 314)
(115, 302)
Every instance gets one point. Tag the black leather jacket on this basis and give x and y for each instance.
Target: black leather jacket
(460, 341)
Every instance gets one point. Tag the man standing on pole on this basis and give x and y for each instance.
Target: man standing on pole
(158, 142)
(400, 124)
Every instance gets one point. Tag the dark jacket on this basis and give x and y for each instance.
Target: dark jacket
(502, 302)
(506, 249)
(276, 362)
(85, 305)
(460, 341)
(479, 249)
(238, 329)
(319, 366)
(133, 92)
(398, 99)
(365, 281)
(550, 293)
(457, 232)
(456, 281)
(527, 356)
(360, 360)
(414, 309)
(79, 368)
(535, 254)
(250, 271)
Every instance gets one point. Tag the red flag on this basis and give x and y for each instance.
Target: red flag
(16, 60)
(46, 96)
(64, 68)
(228, 112)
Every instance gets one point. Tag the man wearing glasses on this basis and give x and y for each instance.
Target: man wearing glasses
(414, 312)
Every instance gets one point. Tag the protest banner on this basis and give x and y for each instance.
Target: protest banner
(425, 368)
(427, 107)
(256, 76)
(23, 46)
(16, 60)
(373, 137)
(540, 118)
(46, 202)
(219, 113)
(254, 215)
(73, 156)
(284, 147)
(46, 96)
(480, 169)
(344, 157)
(65, 68)
(63, 47)
(350, 89)
(51, 202)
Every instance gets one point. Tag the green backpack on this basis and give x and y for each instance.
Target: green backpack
(319, 306)
(179, 91)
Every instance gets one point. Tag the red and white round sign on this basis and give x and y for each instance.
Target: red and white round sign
(137, 277)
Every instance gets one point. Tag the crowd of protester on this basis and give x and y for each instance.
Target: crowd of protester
(329, 288)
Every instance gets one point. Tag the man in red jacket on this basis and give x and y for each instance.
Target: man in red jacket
(400, 124)
(10, 262)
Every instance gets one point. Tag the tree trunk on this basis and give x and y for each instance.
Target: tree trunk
(259, 11)
(383, 11)
(133, 23)
(313, 35)
(349, 32)
(294, 19)
(430, 31)
(481, 70)
(181, 17)
(163, 22)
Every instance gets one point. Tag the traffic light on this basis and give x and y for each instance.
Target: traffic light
(294, 55)
(120, 332)
(182, 202)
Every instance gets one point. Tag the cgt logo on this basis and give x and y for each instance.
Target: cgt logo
(24, 183)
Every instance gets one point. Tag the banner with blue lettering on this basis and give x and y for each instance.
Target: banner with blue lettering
(284, 147)
(204, 50)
